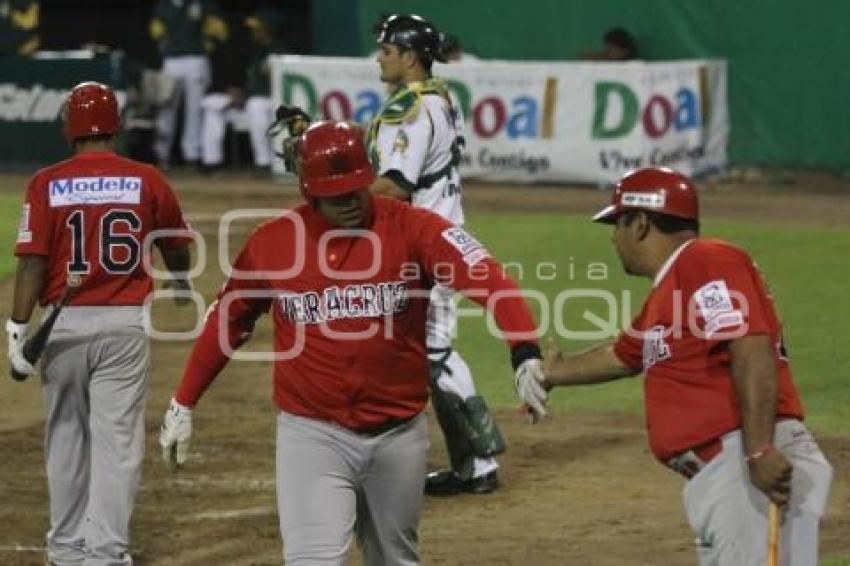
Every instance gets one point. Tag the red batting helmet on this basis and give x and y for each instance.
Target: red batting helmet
(332, 160)
(91, 110)
(653, 188)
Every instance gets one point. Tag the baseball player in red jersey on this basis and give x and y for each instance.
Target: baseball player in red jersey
(721, 406)
(346, 278)
(89, 217)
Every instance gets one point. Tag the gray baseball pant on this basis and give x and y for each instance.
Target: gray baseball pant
(730, 516)
(94, 372)
(333, 482)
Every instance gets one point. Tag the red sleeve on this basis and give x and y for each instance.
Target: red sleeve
(454, 258)
(229, 323)
(168, 215)
(34, 233)
(726, 296)
(629, 346)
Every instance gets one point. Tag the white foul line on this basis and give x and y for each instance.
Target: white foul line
(232, 514)
(20, 548)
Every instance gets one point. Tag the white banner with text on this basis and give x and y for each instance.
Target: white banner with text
(546, 122)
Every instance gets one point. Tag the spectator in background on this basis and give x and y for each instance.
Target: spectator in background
(453, 51)
(250, 103)
(619, 46)
(185, 31)
(19, 27)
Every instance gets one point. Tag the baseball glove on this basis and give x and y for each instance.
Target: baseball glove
(296, 121)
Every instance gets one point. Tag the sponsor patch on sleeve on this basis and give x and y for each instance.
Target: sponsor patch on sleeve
(470, 248)
(24, 232)
(715, 305)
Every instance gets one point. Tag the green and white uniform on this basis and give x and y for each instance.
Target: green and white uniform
(415, 140)
(416, 134)
(18, 27)
(185, 30)
(256, 116)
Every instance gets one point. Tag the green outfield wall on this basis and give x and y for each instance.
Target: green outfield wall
(788, 71)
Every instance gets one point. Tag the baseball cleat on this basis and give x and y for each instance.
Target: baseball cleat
(446, 483)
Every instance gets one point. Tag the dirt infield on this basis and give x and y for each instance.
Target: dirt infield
(578, 490)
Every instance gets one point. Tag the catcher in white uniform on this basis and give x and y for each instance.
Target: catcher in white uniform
(414, 144)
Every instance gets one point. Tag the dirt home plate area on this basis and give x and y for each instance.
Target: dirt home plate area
(579, 489)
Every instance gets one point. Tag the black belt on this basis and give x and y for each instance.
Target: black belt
(386, 426)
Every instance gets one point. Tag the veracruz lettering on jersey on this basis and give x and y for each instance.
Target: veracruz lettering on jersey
(365, 300)
(72, 191)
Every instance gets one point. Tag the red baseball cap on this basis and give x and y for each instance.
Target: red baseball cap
(652, 188)
(332, 160)
(91, 110)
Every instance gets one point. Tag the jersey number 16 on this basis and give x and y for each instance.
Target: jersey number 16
(110, 242)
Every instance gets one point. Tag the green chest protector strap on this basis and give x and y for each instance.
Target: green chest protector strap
(403, 106)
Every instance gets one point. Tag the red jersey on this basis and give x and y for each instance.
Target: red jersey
(707, 294)
(356, 341)
(91, 215)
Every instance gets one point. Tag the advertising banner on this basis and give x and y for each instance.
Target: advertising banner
(546, 122)
(32, 92)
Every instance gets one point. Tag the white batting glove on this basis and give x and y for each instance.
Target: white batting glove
(529, 387)
(174, 435)
(17, 334)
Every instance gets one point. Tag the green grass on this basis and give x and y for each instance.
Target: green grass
(805, 266)
(836, 561)
(10, 210)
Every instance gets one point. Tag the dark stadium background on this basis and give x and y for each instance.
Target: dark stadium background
(123, 24)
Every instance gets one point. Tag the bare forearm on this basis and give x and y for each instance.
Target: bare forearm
(754, 375)
(596, 365)
(30, 278)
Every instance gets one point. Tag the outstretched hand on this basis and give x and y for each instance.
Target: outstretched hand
(552, 356)
(530, 388)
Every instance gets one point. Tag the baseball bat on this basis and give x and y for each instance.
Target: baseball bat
(34, 346)
(773, 536)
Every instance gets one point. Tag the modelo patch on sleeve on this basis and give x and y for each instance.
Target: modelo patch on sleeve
(715, 305)
(24, 232)
(470, 248)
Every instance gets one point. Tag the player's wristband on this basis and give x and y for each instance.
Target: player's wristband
(524, 351)
(762, 450)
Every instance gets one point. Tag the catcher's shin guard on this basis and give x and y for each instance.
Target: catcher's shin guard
(468, 427)
(487, 439)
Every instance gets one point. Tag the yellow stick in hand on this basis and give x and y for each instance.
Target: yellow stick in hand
(773, 536)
